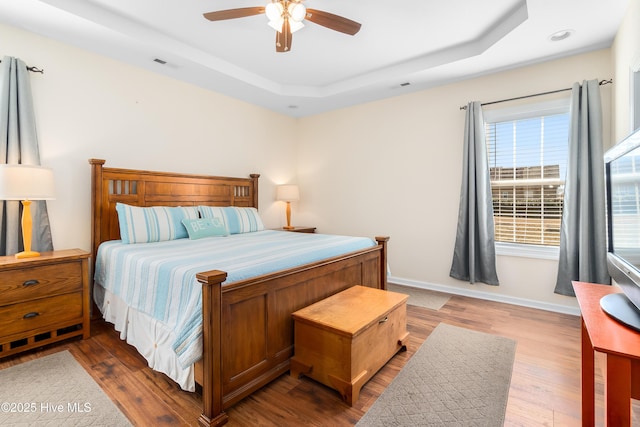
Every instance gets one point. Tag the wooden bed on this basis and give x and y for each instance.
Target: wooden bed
(247, 329)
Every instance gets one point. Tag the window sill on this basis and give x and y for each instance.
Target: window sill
(528, 251)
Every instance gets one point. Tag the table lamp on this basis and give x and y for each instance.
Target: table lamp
(26, 183)
(288, 193)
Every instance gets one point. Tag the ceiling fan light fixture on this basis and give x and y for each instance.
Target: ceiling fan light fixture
(295, 25)
(287, 17)
(297, 11)
(277, 24)
(274, 11)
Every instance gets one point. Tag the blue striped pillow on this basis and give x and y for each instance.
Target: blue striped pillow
(236, 220)
(153, 224)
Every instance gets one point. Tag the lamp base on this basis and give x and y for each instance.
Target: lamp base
(288, 227)
(27, 254)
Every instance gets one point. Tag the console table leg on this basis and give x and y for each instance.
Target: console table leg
(618, 391)
(588, 378)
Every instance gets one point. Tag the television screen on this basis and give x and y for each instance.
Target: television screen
(622, 167)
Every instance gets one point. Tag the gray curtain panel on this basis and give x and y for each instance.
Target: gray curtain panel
(583, 240)
(474, 256)
(19, 145)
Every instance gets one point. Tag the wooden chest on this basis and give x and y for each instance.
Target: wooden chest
(343, 340)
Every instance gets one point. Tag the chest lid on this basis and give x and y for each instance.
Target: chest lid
(352, 310)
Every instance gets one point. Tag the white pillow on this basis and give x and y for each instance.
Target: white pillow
(153, 224)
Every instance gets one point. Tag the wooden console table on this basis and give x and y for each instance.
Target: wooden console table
(622, 348)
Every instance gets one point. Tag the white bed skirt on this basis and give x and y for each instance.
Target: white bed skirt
(150, 337)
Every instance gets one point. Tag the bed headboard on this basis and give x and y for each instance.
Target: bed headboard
(148, 188)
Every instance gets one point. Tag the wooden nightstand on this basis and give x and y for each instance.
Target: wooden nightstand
(299, 229)
(43, 299)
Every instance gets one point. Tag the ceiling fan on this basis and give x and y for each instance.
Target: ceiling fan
(286, 17)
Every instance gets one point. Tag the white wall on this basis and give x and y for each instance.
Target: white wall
(89, 106)
(626, 57)
(393, 168)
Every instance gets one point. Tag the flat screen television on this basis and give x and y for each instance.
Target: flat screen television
(622, 179)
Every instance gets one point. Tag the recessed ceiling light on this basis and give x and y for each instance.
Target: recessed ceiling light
(560, 35)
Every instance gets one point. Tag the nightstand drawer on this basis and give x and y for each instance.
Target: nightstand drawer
(42, 313)
(37, 282)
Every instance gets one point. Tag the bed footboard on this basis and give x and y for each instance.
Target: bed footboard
(247, 325)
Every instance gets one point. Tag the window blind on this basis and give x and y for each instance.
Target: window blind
(527, 162)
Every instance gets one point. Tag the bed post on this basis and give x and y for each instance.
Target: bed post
(212, 413)
(383, 240)
(254, 178)
(96, 205)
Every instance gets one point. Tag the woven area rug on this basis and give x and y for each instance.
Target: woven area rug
(458, 377)
(54, 391)
(421, 297)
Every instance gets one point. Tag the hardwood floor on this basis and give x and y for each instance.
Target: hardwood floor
(545, 386)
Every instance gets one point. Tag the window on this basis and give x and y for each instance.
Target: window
(527, 152)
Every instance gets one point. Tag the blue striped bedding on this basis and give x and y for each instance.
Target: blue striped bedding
(158, 278)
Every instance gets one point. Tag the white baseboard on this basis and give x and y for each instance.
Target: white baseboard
(558, 308)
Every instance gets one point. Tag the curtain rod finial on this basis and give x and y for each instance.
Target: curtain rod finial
(35, 70)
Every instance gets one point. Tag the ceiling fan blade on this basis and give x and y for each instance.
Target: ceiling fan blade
(283, 39)
(333, 22)
(221, 15)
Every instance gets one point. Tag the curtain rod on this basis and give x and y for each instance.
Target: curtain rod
(602, 83)
(33, 69)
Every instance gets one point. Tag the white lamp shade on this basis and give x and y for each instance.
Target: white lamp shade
(297, 11)
(26, 182)
(273, 11)
(276, 24)
(295, 26)
(288, 193)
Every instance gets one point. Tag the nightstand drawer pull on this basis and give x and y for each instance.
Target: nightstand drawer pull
(31, 315)
(30, 283)
(384, 319)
